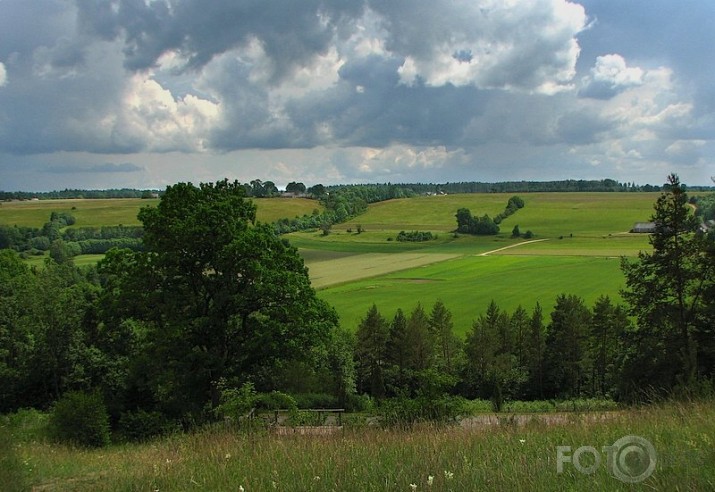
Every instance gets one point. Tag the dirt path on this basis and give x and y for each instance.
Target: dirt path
(487, 253)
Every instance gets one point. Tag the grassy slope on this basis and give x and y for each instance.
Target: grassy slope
(546, 214)
(507, 457)
(94, 213)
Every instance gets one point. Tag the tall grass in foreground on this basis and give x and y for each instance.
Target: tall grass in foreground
(506, 457)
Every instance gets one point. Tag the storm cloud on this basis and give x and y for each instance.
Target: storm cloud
(342, 90)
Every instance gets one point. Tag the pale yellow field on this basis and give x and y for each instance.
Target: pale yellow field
(360, 266)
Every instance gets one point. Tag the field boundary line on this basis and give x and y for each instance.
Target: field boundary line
(487, 253)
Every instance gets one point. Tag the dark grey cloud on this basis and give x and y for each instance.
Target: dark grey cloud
(356, 89)
(107, 167)
(290, 32)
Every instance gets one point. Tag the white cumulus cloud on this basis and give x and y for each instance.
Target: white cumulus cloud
(153, 115)
(529, 46)
(3, 75)
(610, 76)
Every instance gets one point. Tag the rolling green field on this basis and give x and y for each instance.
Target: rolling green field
(108, 212)
(578, 240)
(546, 214)
(468, 284)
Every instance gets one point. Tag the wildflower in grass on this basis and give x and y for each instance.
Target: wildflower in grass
(316, 478)
(430, 480)
(228, 456)
(413, 486)
(240, 488)
(448, 475)
(522, 441)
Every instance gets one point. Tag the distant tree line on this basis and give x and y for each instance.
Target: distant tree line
(77, 193)
(258, 188)
(65, 242)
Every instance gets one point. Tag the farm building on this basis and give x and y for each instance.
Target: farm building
(644, 227)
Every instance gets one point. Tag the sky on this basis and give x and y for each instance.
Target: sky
(146, 93)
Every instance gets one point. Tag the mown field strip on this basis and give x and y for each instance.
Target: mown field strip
(361, 266)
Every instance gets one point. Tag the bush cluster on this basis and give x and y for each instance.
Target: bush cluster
(485, 225)
(140, 425)
(404, 412)
(80, 419)
(415, 236)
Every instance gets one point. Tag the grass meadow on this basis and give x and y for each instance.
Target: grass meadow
(507, 456)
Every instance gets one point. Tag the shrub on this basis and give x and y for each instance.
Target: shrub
(276, 400)
(81, 419)
(315, 400)
(26, 425)
(414, 236)
(236, 402)
(141, 425)
(404, 412)
(41, 243)
(472, 407)
(359, 403)
(302, 417)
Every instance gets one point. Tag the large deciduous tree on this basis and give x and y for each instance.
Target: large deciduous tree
(222, 297)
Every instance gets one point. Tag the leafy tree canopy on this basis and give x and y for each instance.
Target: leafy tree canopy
(224, 297)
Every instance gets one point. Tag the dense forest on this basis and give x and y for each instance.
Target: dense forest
(214, 306)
